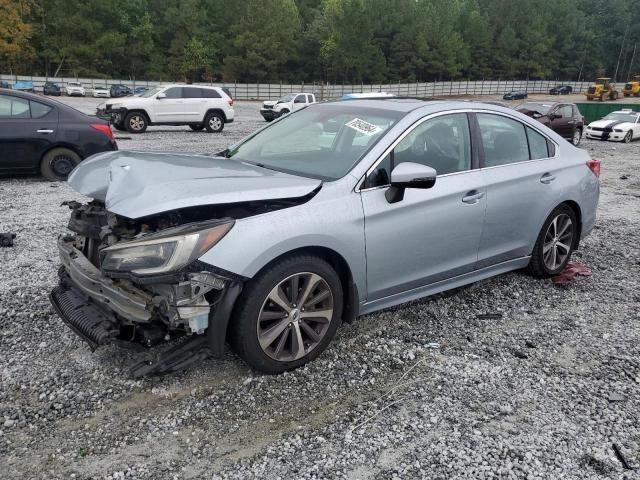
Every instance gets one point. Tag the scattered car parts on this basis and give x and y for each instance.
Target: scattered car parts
(6, 239)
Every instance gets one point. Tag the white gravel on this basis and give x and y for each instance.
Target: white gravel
(424, 391)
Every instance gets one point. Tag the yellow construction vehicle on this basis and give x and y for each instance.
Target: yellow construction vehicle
(632, 87)
(601, 89)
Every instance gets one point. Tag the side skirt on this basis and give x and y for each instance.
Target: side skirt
(441, 286)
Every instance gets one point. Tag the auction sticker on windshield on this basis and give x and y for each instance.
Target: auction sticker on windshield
(363, 127)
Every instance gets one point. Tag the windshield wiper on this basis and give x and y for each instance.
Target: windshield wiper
(226, 153)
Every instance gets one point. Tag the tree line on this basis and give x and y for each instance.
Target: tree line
(370, 41)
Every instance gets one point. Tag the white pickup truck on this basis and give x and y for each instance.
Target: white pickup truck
(289, 103)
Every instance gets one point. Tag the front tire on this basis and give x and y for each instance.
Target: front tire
(628, 137)
(214, 122)
(57, 164)
(577, 136)
(555, 243)
(135, 122)
(288, 314)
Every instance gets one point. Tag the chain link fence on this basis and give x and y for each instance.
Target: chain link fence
(324, 91)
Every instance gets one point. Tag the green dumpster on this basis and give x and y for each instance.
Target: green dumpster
(593, 111)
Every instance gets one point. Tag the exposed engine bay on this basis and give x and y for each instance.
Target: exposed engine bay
(145, 309)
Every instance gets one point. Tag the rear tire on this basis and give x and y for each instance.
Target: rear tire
(214, 123)
(555, 243)
(57, 164)
(135, 122)
(276, 337)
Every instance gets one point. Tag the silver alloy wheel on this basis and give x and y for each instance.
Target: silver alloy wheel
(136, 122)
(557, 241)
(576, 137)
(295, 316)
(628, 136)
(215, 123)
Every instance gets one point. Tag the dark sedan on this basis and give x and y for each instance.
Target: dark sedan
(120, 90)
(563, 118)
(51, 88)
(41, 135)
(561, 90)
(515, 95)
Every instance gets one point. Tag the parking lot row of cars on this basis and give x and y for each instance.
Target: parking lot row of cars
(76, 89)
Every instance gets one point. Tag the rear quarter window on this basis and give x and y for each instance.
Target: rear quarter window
(210, 93)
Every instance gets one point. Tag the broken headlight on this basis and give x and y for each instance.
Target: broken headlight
(165, 252)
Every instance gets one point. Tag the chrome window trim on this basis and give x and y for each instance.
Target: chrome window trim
(417, 123)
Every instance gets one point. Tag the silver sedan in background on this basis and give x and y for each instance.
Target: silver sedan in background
(337, 210)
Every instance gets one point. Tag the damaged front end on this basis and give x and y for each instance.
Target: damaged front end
(140, 281)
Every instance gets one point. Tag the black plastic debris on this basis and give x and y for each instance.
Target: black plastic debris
(489, 316)
(530, 344)
(6, 239)
(520, 354)
(621, 457)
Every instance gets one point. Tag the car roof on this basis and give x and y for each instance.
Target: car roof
(45, 100)
(406, 105)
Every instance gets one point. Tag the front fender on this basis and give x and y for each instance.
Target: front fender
(333, 219)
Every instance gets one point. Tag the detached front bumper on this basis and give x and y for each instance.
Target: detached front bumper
(100, 309)
(269, 114)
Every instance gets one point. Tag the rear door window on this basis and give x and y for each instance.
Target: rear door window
(210, 93)
(537, 145)
(309, 99)
(14, 107)
(504, 140)
(191, 92)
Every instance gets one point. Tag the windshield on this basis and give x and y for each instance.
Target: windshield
(151, 92)
(621, 117)
(541, 108)
(321, 141)
(74, 84)
(286, 98)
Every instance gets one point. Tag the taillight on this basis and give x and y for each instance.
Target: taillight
(106, 129)
(230, 102)
(594, 166)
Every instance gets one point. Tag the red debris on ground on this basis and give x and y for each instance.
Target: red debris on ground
(570, 272)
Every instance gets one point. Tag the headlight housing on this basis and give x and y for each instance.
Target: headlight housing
(165, 252)
(619, 130)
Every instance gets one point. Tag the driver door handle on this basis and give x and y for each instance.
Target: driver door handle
(44, 130)
(472, 197)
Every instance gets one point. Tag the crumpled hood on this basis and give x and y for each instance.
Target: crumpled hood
(137, 184)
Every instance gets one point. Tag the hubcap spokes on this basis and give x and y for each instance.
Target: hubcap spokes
(136, 123)
(557, 241)
(295, 316)
(215, 123)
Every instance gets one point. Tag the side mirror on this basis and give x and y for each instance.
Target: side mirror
(161, 95)
(409, 175)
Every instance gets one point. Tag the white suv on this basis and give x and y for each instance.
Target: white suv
(198, 106)
(75, 89)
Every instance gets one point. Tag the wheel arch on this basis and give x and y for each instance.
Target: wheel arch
(215, 110)
(578, 213)
(351, 297)
(68, 146)
(136, 110)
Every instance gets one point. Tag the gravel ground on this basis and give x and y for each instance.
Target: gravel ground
(428, 390)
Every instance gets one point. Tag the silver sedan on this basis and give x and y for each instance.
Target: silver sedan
(337, 210)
